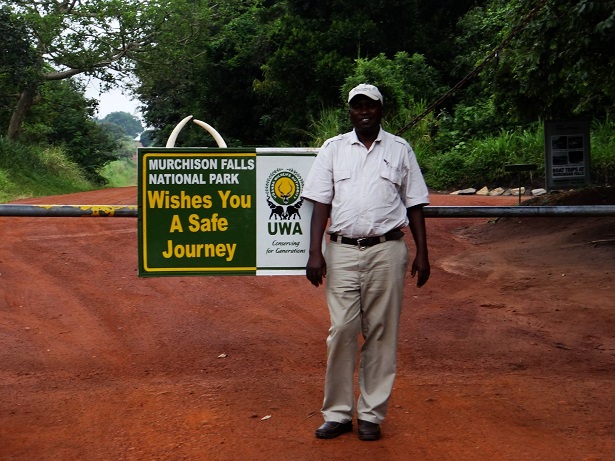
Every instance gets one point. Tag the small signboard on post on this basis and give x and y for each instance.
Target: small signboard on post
(223, 211)
(567, 156)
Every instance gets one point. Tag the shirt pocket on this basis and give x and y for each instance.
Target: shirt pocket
(341, 181)
(389, 185)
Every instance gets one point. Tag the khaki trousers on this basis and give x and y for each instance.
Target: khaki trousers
(364, 292)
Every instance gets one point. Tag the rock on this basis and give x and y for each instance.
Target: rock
(507, 192)
(468, 191)
(537, 192)
(497, 191)
(517, 191)
(483, 191)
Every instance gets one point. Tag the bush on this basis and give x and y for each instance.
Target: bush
(602, 167)
(482, 161)
(16, 155)
(121, 173)
(401, 80)
(30, 171)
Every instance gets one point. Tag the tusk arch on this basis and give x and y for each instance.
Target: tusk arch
(212, 131)
(176, 130)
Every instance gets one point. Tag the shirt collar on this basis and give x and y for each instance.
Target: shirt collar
(354, 139)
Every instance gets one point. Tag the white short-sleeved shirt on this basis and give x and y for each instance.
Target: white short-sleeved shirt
(369, 191)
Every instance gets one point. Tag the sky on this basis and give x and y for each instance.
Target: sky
(111, 101)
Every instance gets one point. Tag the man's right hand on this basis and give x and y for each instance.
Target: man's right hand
(316, 269)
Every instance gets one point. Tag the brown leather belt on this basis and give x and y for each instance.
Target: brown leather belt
(365, 242)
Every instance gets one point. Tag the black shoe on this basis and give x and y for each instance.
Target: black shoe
(368, 431)
(332, 429)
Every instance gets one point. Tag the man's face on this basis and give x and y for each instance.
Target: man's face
(365, 114)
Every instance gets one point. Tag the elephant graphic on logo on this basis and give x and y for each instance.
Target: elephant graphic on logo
(277, 211)
(293, 210)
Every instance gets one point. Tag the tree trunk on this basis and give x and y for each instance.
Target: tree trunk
(26, 99)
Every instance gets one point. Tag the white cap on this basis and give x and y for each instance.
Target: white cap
(367, 90)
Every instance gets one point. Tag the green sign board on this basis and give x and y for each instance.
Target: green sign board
(223, 211)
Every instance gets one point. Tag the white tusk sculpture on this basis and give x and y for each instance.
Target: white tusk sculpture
(176, 130)
(211, 130)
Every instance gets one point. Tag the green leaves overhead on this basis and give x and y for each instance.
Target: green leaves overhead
(60, 40)
(90, 36)
(262, 71)
(561, 64)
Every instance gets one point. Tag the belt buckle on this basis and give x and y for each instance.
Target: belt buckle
(362, 243)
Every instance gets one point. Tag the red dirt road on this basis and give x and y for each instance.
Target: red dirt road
(508, 353)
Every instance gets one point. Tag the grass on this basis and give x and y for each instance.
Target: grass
(121, 173)
(27, 171)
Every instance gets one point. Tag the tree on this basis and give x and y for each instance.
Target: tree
(402, 80)
(65, 118)
(260, 71)
(17, 61)
(115, 131)
(101, 38)
(148, 138)
(315, 46)
(560, 65)
(206, 67)
(131, 124)
(437, 32)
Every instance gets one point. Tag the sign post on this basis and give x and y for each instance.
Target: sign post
(223, 211)
(520, 168)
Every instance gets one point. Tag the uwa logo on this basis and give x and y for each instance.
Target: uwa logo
(283, 194)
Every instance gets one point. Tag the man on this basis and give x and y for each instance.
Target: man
(369, 184)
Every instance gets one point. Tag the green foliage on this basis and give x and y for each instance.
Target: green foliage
(127, 149)
(603, 152)
(53, 41)
(438, 32)
(64, 118)
(261, 72)
(15, 51)
(476, 119)
(96, 37)
(482, 160)
(29, 171)
(17, 62)
(404, 81)
(315, 45)
(401, 80)
(148, 138)
(205, 65)
(128, 122)
(330, 123)
(277, 73)
(113, 130)
(38, 100)
(421, 136)
(18, 155)
(121, 173)
(559, 66)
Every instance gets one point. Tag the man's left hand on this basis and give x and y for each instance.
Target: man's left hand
(421, 266)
